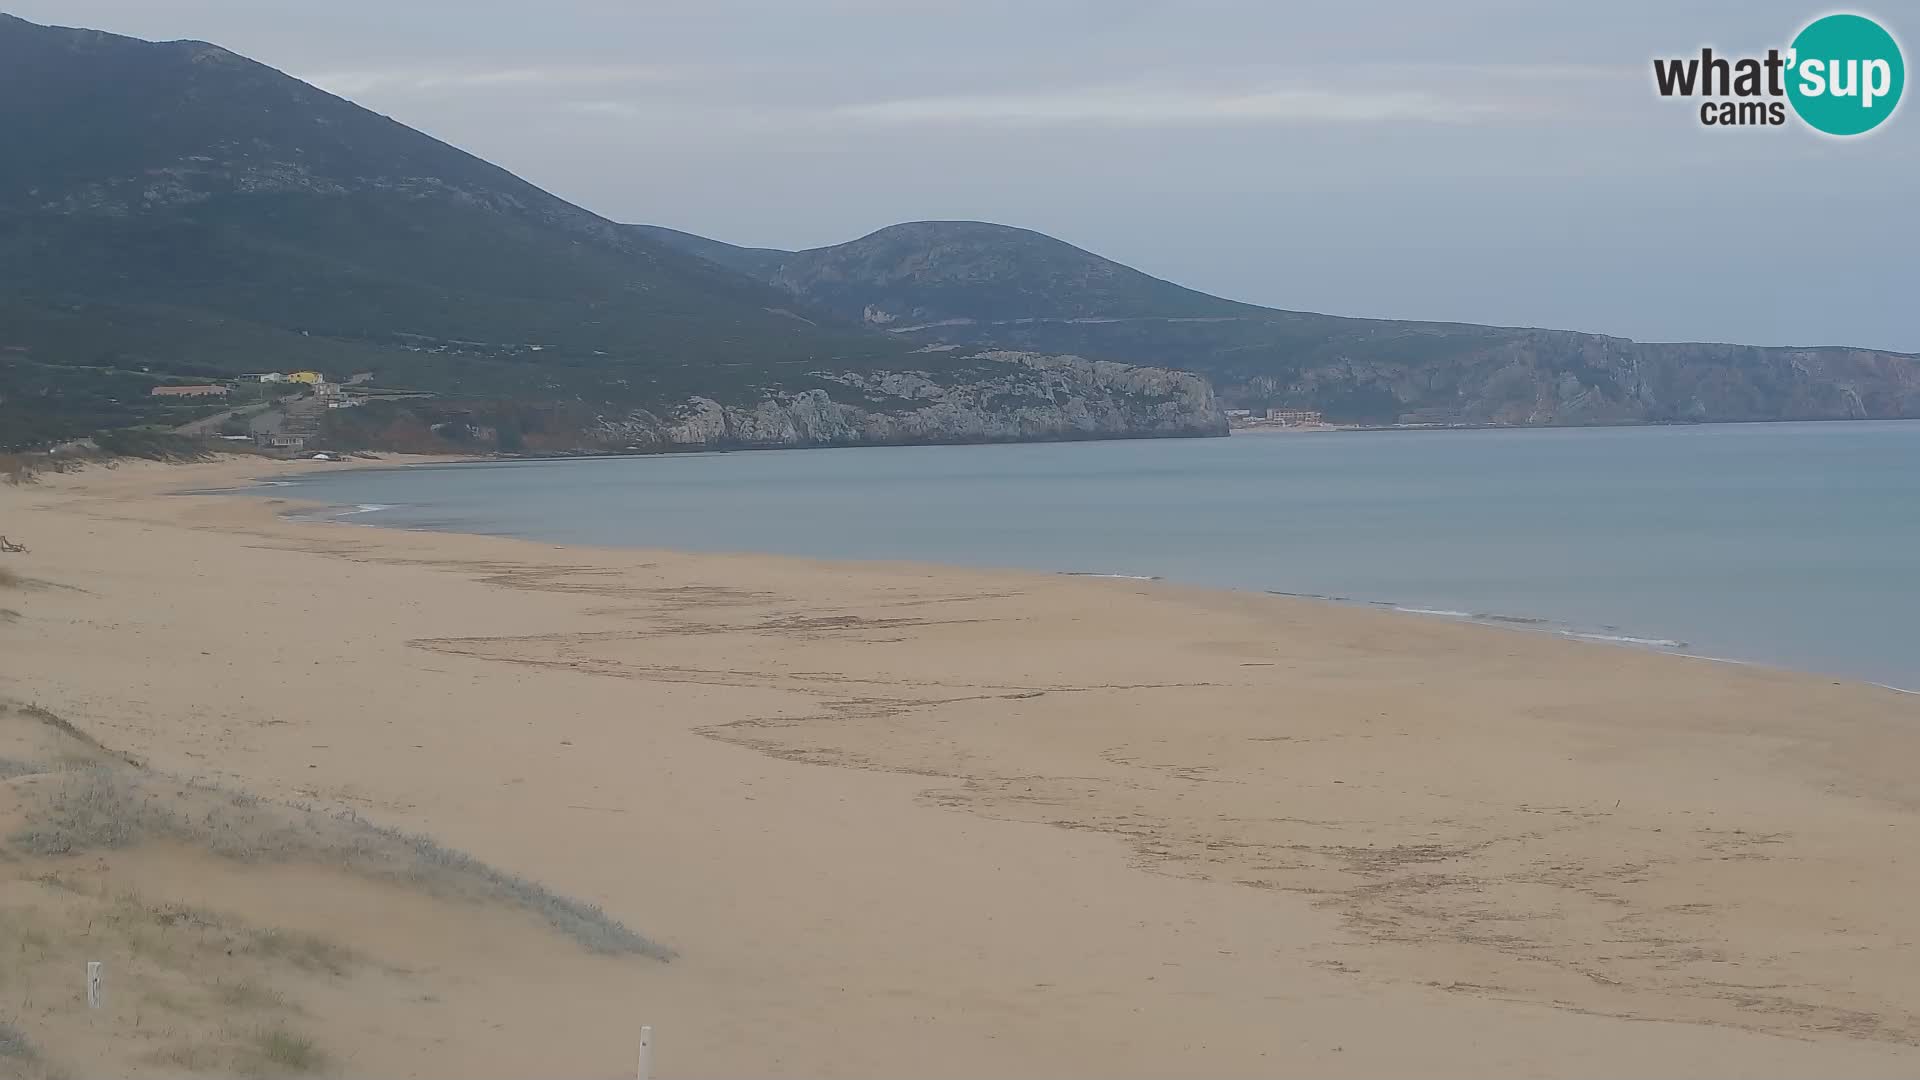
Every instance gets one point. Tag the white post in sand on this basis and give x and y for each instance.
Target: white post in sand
(646, 1053)
(93, 984)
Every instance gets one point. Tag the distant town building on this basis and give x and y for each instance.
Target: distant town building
(1294, 416)
(280, 440)
(188, 391)
(311, 378)
(1239, 414)
(273, 377)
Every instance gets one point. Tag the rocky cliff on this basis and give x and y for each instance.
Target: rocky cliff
(975, 285)
(1011, 397)
(1530, 377)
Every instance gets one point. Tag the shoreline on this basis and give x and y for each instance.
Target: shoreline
(1526, 622)
(892, 814)
(1315, 429)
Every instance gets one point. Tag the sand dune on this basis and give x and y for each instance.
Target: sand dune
(231, 930)
(900, 820)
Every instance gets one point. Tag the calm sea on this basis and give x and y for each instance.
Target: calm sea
(1796, 545)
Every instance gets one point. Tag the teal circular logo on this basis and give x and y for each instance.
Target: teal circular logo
(1845, 74)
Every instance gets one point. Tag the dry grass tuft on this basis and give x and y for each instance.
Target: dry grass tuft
(248, 995)
(26, 467)
(20, 469)
(287, 1051)
(196, 1057)
(89, 810)
(308, 952)
(14, 1044)
(107, 448)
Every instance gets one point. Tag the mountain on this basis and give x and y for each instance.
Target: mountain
(176, 211)
(927, 271)
(974, 284)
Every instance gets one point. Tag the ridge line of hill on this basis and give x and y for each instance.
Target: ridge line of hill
(970, 284)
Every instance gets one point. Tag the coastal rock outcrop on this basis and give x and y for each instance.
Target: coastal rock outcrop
(972, 285)
(1012, 396)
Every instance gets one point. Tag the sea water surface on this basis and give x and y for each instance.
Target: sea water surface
(1795, 545)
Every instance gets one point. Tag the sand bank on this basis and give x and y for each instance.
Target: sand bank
(901, 820)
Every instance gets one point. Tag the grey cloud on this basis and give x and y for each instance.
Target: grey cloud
(1137, 107)
(351, 82)
(1485, 160)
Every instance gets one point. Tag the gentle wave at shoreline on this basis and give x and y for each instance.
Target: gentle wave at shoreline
(1785, 545)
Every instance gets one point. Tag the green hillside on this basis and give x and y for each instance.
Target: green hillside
(978, 284)
(172, 208)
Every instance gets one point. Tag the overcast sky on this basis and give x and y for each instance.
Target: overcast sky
(1499, 161)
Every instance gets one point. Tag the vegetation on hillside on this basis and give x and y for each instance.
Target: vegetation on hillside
(980, 285)
(174, 210)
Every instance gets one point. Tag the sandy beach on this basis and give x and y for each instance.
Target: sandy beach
(902, 820)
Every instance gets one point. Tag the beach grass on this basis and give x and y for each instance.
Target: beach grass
(14, 1044)
(288, 1051)
(102, 803)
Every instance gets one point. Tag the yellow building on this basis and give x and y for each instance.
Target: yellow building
(311, 378)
